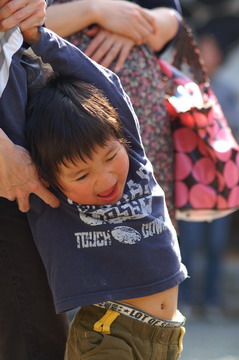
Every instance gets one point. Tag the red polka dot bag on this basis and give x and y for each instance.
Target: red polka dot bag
(206, 153)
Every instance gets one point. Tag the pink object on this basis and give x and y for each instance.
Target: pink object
(188, 120)
(181, 191)
(183, 166)
(231, 174)
(204, 170)
(221, 181)
(185, 140)
(201, 120)
(206, 153)
(233, 199)
(202, 196)
(221, 202)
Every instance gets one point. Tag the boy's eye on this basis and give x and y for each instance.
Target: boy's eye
(82, 177)
(112, 157)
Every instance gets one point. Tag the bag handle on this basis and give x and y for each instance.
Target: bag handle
(187, 52)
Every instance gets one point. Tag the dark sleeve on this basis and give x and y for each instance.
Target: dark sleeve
(150, 4)
(66, 59)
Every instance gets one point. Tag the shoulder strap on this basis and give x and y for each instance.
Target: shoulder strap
(187, 52)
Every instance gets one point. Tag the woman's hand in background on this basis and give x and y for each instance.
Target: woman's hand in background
(119, 17)
(105, 47)
(167, 25)
(125, 18)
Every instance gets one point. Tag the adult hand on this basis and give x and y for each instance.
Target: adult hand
(18, 176)
(125, 18)
(106, 47)
(26, 13)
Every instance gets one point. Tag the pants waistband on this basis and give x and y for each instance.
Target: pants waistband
(139, 315)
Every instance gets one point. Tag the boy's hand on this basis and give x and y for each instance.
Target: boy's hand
(31, 36)
(25, 13)
(18, 176)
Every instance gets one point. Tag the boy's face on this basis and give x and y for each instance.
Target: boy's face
(97, 181)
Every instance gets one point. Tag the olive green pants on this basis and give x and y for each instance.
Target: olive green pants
(99, 334)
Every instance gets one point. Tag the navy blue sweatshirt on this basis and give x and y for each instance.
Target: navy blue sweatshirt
(110, 252)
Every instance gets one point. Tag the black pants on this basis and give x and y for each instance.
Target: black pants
(29, 327)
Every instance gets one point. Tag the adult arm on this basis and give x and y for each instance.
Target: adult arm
(118, 24)
(106, 46)
(167, 25)
(121, 17)
(18, 175)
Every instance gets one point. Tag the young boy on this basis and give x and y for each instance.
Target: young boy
(111, 242)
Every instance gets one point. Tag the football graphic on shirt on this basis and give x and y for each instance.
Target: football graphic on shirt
(126, 235)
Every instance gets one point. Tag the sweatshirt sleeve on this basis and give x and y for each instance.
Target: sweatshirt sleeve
(13, 86)
(66, 59)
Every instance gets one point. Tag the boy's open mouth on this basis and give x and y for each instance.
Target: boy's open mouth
(109, 193)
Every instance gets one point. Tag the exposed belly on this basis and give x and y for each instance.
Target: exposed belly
(162, 305)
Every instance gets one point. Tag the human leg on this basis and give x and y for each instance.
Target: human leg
(29, 327)
(219, 231)
(191, 235)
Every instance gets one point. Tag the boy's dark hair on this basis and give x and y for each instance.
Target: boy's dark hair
(66, 120)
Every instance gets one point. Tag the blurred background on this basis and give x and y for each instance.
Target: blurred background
(210, 298)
